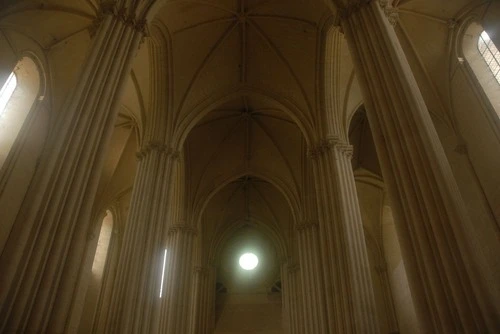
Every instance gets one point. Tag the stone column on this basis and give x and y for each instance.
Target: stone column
(176, 306)
(291, 290)
(203, 303)
(42, 258)
(426, 201)
(140, 265)
(346, 259)
(313, 287)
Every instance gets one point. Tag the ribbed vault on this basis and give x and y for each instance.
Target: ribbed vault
(220, 45)
(245, 136)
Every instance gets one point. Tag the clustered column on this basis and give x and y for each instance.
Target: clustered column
(352, 302)
(429, 210)
(140, 264)
(43, 257)
(203, 301)
(293, 301)
(313, 287)
(176, 305)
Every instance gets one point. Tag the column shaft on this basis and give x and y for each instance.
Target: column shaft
(314, 306)
(354, 308)
(292, 295)
(428, 206)
(175, 310)
(203, 306)
(43, 257)
(140, 265)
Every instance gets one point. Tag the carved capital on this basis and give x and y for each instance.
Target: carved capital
(182, 228)
(353, 7)
(328, 144)
(313, 153)
(306, 225)
(391, 12)
(201, 271)
(157, 147)
(126, 15)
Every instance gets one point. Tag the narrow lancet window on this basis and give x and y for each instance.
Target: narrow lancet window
(490, 54)
(7, 91)
(103, 245)
(163, 272)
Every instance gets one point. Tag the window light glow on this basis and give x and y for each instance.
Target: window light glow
(163, 272)
(7, 91)
(490, 54)
(249, 261)
(101, 252)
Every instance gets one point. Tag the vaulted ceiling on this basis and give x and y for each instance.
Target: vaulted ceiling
(245, 75)
(220, 46)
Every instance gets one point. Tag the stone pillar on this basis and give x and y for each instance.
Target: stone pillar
(176, 306)
(140, 265)
(426, 201)
(42, 259)
(291, 289)
(346, 259)
(313, 287)
(203, 302)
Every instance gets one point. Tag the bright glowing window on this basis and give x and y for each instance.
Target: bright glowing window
(249, 261)
(490, 54)
(163, 271)
(102, 245)
(18, 95)
(7, 91)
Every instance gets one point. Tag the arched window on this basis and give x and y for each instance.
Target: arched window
(102, 245)
(95, 294)
(7, 91)
(482, 60)
(490, 54)
(17, 97)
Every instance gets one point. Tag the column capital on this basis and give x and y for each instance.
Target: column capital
(128, 16)
(346, 10)
(155, 146)
(306, 225)
(331, 143)
(184, 228)
(392, 13)
(201, 270)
